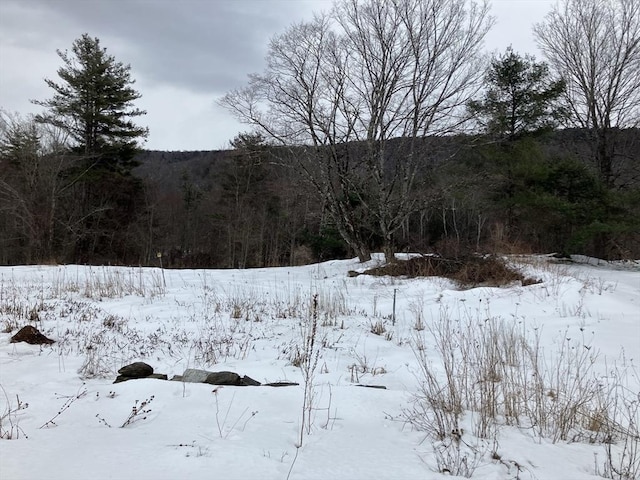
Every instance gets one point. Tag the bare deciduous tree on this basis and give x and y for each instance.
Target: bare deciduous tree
(595, 46)
(354, 92)
(32, 157)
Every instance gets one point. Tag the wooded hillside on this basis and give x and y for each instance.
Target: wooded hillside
(248, 207)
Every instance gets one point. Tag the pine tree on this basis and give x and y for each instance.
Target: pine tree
(521, 97)
(94, 105)
(94, 101)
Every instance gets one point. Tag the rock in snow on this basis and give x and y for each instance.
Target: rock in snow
(31, 335)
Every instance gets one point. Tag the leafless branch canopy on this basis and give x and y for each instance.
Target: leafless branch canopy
(595, 46)
(369, 71)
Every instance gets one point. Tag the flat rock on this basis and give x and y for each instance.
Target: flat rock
(231, 378)
(224, 378)
(193, 375)
(31, 335)
(281, 384)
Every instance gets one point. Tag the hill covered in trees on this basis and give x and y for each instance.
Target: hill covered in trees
(242, 208)
(249, 206)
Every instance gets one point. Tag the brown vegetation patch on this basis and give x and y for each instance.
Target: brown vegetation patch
(467, 272)
(31, 335)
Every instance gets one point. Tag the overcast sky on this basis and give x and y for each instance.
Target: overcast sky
(184, 54)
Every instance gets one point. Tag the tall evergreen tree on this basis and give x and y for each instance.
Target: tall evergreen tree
(94, 104)
(94, 101)
(521, 97)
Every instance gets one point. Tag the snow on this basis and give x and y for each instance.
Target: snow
(253, 322)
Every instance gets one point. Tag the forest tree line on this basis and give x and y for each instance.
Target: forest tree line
(246, 208)
(243, 208)
(377, 126)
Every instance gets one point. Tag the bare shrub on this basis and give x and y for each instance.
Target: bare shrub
(222, 422)
(69, 400)
(95, 364)
(139, 412)
(297, 356)
(492, 369)
(9, 418)
(333, 303)
(310, 355)
(456, 457)
(619, 425)
(438, 406)
(378, 328)
(417, 308)
(117, 283)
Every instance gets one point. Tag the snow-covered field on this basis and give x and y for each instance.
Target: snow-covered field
(62, 415)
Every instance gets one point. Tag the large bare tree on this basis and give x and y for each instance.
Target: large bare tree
(352, 95)
(595, 46)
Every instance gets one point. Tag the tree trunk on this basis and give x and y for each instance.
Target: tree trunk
(363, 253)
(604, 158)
(389, 253)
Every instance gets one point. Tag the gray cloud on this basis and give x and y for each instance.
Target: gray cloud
(183, 53)
(198, 44)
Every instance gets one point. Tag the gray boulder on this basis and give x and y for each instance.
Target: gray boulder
(193, 375)
(31, 335)
(136, 370)
(231, 378)
(223, 378)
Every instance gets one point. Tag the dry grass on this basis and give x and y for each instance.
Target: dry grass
(495, 373)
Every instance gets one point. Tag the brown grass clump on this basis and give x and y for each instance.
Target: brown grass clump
(468, 272)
